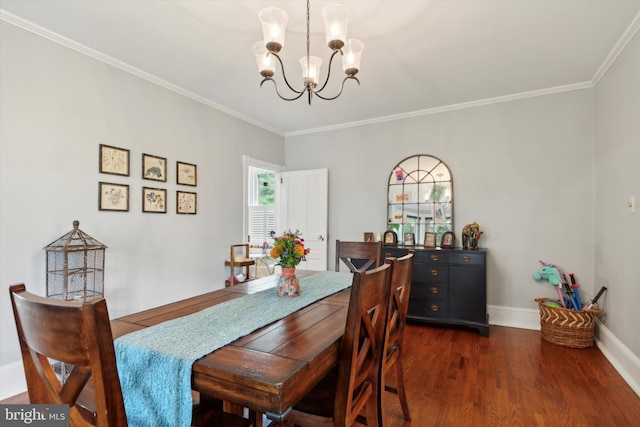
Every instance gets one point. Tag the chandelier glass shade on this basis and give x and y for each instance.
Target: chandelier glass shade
(336, 19)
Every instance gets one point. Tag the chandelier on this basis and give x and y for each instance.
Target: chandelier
(274, 22)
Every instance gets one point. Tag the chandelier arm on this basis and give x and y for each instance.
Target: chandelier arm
(329, 70)
(284, 76)
(341, 88)
(275, 85)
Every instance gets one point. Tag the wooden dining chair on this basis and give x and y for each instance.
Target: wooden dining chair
(358, 255)
(397, 317)
(78, 334)
(350, 394)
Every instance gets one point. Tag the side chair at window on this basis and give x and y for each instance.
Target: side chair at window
(350, 394)
(54, 331)
(397, 318)
(238, 258)
(358, 255)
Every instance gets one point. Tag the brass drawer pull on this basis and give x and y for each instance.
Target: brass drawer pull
(434, 272)
(434, 290)
(435, 308)
(466, 258)
(434, 257)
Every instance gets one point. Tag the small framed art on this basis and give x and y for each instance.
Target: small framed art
(113, 197)
(186, 203)
(429, 240)
(154, 168)
(368, 236)
(409, 239)
(154, 200)
(186, 174)
(114, 160)
(448, 240)
(390, 238)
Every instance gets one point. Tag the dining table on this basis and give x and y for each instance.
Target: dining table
(271, 368)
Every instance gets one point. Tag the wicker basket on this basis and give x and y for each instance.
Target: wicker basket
(569, 328)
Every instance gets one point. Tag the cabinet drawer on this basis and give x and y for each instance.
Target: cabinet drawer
(393, 252)
(470, 258)
(430, 273)
(430, 257)
(428, 290)
(426, 308)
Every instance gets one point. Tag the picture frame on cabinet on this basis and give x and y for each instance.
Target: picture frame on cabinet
(186, 174)
(409, 239)
(429, 240)
(390, 238)
(114, 160)
(368, 236)
(186, 203)
(113, 197)
(154, 168)
(154, 200)
(448, 240)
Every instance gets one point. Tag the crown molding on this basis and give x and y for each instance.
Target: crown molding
(57, 38)
(617, 49)
(447, 108)
(64, 41)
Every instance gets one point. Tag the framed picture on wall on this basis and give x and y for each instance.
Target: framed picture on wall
(154, 200)
(429, 240)
(186, 174)
(114, 160)
(186, 203)
(154, 168)
(113, 197)
(448, 240)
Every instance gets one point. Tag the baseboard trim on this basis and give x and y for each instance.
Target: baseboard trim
(513, 317)
(12, 380)
(619, 355)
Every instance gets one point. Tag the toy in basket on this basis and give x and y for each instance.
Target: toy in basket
(569, 328)
(565, 322)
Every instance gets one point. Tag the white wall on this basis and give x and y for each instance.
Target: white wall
(522, 169)
(57, 106)
(617, 176)
(546, 178)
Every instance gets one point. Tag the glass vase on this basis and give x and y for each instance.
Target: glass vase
(288, 284)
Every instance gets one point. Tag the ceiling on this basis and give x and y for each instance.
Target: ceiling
(420, 56)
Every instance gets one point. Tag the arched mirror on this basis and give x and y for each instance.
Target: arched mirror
(420, 199)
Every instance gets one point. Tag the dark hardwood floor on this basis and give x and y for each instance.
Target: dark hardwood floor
(511, 378)
(455, 377)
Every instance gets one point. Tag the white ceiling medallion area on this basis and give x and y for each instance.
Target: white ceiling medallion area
(423, 57)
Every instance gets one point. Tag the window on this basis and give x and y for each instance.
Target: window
(261, 206)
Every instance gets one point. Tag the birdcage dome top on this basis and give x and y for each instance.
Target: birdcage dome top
(75, 240)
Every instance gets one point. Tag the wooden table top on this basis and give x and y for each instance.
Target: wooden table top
(271, 369)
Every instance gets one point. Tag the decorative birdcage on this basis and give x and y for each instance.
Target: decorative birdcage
(75, 266)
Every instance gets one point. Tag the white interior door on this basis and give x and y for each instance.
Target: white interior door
(304, 199)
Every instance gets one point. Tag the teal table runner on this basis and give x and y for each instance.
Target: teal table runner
(155, 364)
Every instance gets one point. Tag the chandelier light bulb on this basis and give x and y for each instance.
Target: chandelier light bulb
(274, 23)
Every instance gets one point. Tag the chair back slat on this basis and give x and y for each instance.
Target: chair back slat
(78, 334)
(359, 372)
(358, 255)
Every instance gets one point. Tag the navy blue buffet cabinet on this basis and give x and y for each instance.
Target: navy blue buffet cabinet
(449, 286)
